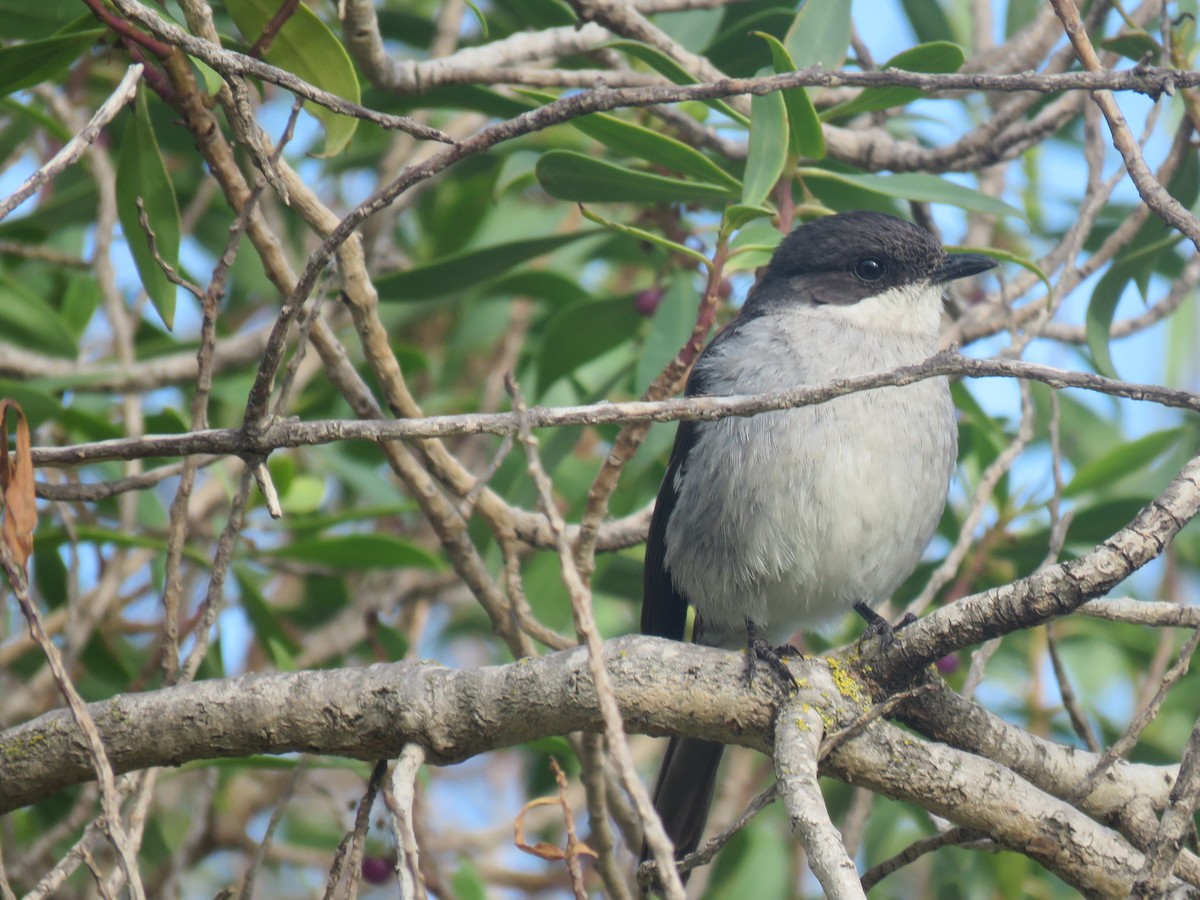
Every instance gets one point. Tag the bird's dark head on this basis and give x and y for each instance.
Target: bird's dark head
(843, 259)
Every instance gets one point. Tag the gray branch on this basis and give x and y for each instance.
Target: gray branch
(661, 687)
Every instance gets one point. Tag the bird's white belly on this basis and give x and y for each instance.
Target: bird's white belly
(841, 501)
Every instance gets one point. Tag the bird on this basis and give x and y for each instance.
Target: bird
(783, 521)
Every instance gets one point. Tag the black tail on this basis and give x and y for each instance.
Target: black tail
(684, 791)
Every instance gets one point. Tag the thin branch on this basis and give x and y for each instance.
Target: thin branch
(585, 626)
(403, 814)
(953, 837)
(97, 756)
(230, 64)
(236, 442)
(798, 736)
(71, 152)
(1151, 190)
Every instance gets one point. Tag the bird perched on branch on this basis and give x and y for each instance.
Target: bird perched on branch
(785, 520)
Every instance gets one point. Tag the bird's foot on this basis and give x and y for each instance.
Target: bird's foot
(878, 626)
(760, 650)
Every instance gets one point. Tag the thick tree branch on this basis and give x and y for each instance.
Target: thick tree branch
(661, 686)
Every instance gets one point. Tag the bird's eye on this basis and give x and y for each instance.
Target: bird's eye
(869, 269)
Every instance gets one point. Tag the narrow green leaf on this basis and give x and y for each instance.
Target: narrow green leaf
(767, 153)
(28, 320)
(692, 29)
(465, 270)
(919, 186)
(31, 21)
(752, 246)
(673, 72)
(1005, 256)
(24, 65)
(737, 215)
(928, 20)
(568, 175)
(805, 137)
(268, 631)
(732, 53)
(1136, 46)
(307, 48)
(820, 34)
(480, 18)
(352, 552)
(1123, 460)
(39, 405)
(537, 284)
(581, 332)
(142, 173)
(628, 139)
(672, 324)
(643, 235)
(1100, 312)
(1018, 14)
(938, 57)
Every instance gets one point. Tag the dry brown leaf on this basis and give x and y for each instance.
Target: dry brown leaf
(16, 487)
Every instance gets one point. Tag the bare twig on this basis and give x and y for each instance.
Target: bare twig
(125, 91)
(798, 738)
(404, 792)
(585, 625)
(296, 434)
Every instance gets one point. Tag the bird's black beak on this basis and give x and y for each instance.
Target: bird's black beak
(961, 265)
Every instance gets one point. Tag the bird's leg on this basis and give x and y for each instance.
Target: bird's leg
(759, 649)
(878, 626)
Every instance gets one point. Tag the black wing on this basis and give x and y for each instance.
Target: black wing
(664, 609)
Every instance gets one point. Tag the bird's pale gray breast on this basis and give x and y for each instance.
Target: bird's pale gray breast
(818, 507)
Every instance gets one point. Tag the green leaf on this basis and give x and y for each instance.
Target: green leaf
(732, 53)
(919, 186)
(27, 319)
(30, 21)
(1124, 459)
(692, 29)
(1018, 14)
(307, 48)
(24, 65)
(938, 57)
(1102, 308)
(767, 153)
(39, 406)
(737, 216)
(1009, 257)
(352, 552)
(1135, 264)
(480, 18)
(304, 495)
(142, 173)
(465, 270)
(672, 324)
(928, 20)
(466, 881)
(80, 300)
(582, 331)
(752, 246)
(820, 34)
(673, 72)
(1135, 46)
(268, 631)
(805, 137)
(568, 175)
(537, 284)
(643, 235)
(628, 139)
